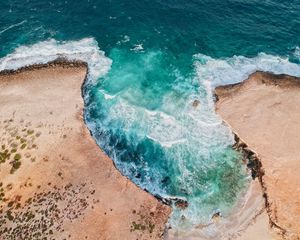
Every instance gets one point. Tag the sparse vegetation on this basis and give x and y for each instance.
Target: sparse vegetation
(29, 132)
(44, 213)
(13, 150)
(142, 224)
(16, 143)
(17, 157)
(23, 145)
(16, 165)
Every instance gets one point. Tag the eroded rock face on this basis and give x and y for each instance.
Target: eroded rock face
(264, 112)
(55, 182)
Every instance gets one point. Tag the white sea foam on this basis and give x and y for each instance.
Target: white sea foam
(238, 68)
(125, 39)
(151, 113)
(297, 53)
(107, 96)
(86, 50)
(138, 48)
(167, 144)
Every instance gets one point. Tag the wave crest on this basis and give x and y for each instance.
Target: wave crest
(238, 68)
(85, 50)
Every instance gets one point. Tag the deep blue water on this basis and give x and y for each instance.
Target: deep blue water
(212, 27)
(165, 55)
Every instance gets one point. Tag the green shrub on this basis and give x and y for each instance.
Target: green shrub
(17, 157)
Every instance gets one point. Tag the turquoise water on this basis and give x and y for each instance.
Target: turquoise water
(148, 63)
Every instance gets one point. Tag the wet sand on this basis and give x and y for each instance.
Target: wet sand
(264, 112)
(55, 181)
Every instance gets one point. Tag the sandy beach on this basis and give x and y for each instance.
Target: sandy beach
(56, 183)
(263, 111)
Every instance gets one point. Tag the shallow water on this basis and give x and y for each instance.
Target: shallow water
(148, 62)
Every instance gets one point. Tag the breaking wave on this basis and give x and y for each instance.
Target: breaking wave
(85, 50)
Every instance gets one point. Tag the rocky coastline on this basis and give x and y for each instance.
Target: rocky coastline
(248, 108)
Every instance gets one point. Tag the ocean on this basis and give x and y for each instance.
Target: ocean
(153, 66)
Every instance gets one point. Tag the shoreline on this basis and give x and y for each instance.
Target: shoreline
(262, 96)
(248, 209)
(63, 62)
(247, 218)
(142, 216)
(250, 202)
(78, 63)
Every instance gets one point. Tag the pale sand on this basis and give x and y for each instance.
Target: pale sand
(75, 190)
(246, 221)
(259, 229)
(264, 111)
